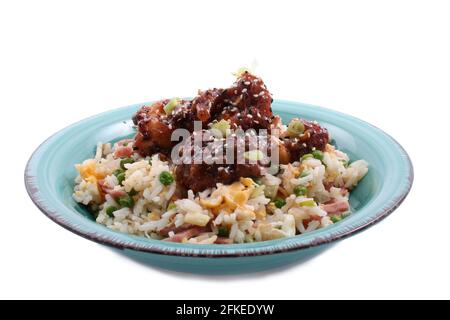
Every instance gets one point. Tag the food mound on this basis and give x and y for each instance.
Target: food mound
(301, 183)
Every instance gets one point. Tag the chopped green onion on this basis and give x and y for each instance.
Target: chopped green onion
(240, 71)
(220, 129)
(254, 155)
(344, 162)
(300, 191)
(335, 219)
(223, 232)
(274, 169)
(110, 211)
(132, 193)
(306, 156)
(259, 190)
(126, 201)
(304, 173)
(166, 178)
(125, 144)
(279, 203)
(308, 203)
(171, 206)
(317, 154)
(296, 128)
(270, 191)
(125, 161)
(168, 108)
(121, 177)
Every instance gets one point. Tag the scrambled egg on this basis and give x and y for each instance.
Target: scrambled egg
(88, 171)
(233, 198)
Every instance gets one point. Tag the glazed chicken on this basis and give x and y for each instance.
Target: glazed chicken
(246, 105)
(214, 167)
(315, 137)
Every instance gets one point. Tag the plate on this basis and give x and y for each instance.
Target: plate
(50, 173)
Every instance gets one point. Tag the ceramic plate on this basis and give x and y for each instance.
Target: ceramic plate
(50, 173)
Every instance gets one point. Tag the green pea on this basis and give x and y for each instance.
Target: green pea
(125, 161)
(132, 193)
(118, 171)
(126, 201)
(300, 191)
(166, 178)
(121, 177)
(335, 219)
(110, 211)
(317, 154)
(279, 203)
(223, 232)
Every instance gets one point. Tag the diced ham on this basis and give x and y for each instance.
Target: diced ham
(336, 207)
(123, 152)
(125, 141)
(165, 232)
(311, 218)
(189, 233)
(116, 193)
(113, 193)
(223, 240)
(328, 185)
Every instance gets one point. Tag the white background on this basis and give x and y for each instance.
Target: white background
(387, 62)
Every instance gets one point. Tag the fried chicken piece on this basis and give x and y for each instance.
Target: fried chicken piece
(154, 128)
(315, 137)
(199, 110)
(214, 167)
(247, 104)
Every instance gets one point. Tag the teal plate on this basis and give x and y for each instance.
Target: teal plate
(50, 173)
